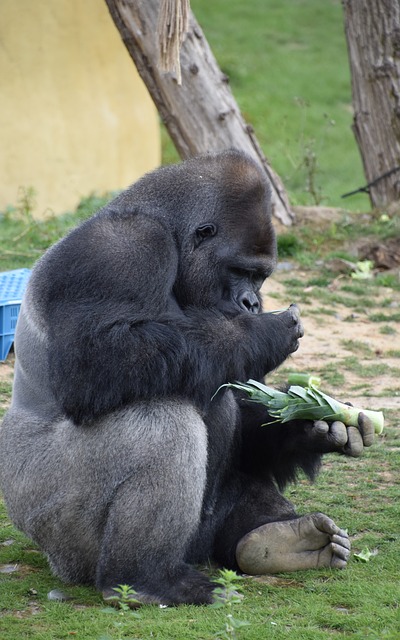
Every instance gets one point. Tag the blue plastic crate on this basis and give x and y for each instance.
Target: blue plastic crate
(12, 287)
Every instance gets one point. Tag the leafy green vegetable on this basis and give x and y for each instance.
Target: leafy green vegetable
(308, 403)
(304, 379)
(365, 555)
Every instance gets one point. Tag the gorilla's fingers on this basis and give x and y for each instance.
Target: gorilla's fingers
(341, 552)
(339, 434)
(295, 313)
(367, 429)
(320, 427)
(338, 563)
(291, 327)
(342, 540)
(340, 546)
(326, 525)
(354, 446)
(326, 437)
(338, 437)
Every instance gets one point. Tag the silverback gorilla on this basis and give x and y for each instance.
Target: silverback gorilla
(115, 456)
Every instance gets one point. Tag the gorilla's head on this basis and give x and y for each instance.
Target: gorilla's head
(226, 241)
(218, 209)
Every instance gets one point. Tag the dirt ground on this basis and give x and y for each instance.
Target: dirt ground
(326, 341)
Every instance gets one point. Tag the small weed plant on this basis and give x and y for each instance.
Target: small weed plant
(124, 599)
(227, 595)
(26, 203)
(123, 602)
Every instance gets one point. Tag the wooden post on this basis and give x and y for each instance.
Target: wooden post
(201, 115)
(373, 40)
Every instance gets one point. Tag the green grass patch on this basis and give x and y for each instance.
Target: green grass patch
(361, 348)
(352, 363)
(5, 395)
(5, 389)
(274, 54)
(337, 298)
(387, 330)
(318, 243)
(319, 281)
(363, 388)
(331, 375)
(23, 239)
(294, 283)
(289, 245)
(324, 311)
(389, 280)
(384, 317)
(355, 289)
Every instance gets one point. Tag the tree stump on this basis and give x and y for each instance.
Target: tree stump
(373, 39)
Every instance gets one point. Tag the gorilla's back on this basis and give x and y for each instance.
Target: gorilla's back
(32, 390)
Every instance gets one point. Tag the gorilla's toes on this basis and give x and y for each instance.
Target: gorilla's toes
(309, 542)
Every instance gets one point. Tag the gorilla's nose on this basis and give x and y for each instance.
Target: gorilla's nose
(249, 302)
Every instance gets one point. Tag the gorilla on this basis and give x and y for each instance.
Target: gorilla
(117, 456)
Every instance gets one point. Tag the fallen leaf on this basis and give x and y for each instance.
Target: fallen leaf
(8, 568)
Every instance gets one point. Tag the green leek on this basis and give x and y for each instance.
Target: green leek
(304, 379)
(307, 403)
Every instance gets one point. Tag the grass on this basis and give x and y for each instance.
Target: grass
(361, 602)
(288, 69)
(358, 347)
(385, 317)
(306, 605)
(387, 330)
(23, 238)
(289, 72)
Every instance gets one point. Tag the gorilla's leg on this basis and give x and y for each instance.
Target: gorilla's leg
(155, 511)
(144, 545)
(113, 502)
(277, 539)
(55, 490)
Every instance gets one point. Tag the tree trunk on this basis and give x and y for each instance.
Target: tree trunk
(373, 39)
(201, 114)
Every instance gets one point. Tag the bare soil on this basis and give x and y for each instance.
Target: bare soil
(330, 339)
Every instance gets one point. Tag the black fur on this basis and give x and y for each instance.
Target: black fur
(113, 456)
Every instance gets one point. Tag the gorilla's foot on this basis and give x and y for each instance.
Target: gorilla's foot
(190, 588)
(309, 542)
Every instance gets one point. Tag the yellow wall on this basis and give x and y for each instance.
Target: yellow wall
(74, 115)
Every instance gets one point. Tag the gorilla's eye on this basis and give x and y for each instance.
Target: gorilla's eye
(204, 231)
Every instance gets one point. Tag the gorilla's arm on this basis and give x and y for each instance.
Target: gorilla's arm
(281, 450)
(103, 361)
(117, 333)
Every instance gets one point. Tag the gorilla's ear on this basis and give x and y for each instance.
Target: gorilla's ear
(204, 231)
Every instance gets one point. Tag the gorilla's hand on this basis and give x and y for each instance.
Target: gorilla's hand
(294, 328)
(325, 438)
(289, 329)
(277, 335)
